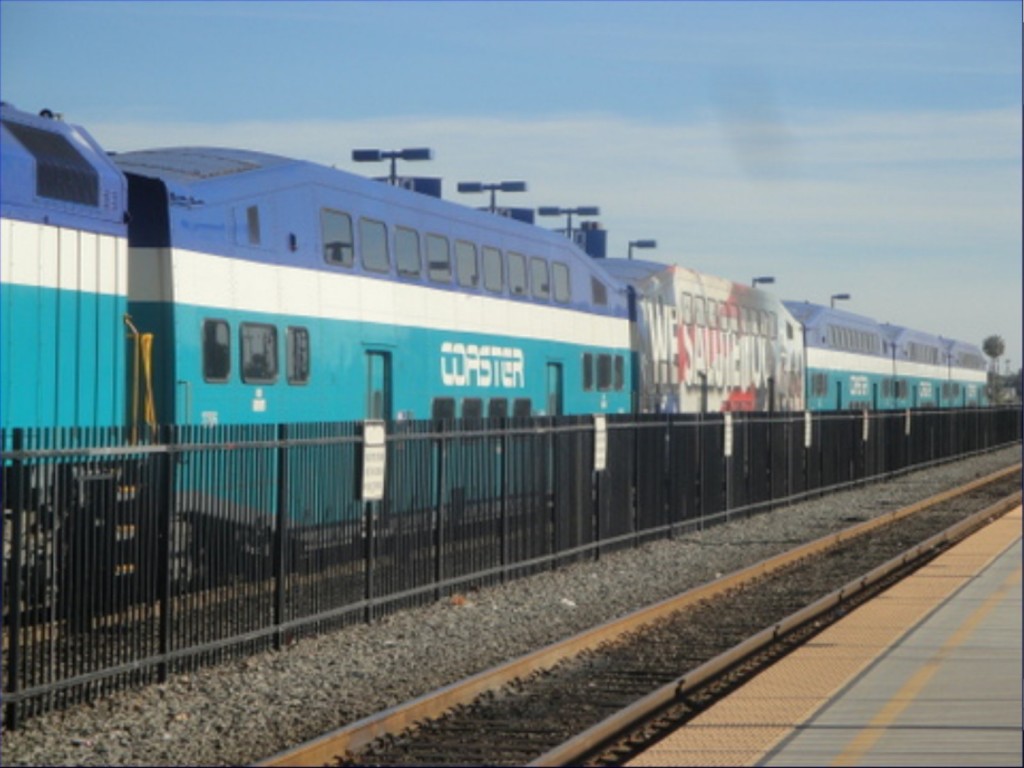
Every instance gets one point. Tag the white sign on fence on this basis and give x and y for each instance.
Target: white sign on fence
(808, 433)
(374, 460)
(600, 442)
(728, 434)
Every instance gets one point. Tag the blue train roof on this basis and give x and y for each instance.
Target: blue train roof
(965, 355)
(830, 328)
(903, 335)
(210, 192)
(187, 166)
(814, 316)
(55, 173)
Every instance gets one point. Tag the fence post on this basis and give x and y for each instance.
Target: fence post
(439, 517)
(505, 455)
(167, 438)
(280, 539)
(14, 596)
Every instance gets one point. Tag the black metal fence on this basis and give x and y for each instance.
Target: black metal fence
(126, 563)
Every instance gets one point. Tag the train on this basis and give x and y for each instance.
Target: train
(204, 285)
(180, 293)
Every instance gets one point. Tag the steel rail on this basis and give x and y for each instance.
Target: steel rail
(351, 738)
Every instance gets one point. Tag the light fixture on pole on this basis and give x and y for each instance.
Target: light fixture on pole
(376, 155)
(583, 210)
(766, 280)
(839, 297)
(501, 186)
(641, 244)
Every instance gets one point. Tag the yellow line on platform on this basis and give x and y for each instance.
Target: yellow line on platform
(905, 696)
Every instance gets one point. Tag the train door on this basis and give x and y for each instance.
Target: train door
(874, 395)
(378, 385)
(554, 389)
(839, 395)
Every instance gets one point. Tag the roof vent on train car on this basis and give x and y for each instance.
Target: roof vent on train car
(62, 173)
(592, 239)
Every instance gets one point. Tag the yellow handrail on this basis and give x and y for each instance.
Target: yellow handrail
(142, 357)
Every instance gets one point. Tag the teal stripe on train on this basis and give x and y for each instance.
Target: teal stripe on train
(420, 365)
(64, 358)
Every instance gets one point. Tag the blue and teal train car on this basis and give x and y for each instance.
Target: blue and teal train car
(854, 362)
(280, 291)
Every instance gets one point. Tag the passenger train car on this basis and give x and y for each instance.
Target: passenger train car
(283, 291)
(854, 362)
(705, 343)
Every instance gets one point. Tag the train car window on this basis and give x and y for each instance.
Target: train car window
(439, 262)
(620, 373)
(598, 292)
(734, 319)
(540, 278)
(407, 252)
(336, 231)
(472, 408)
(216, 351)
(560, 282)
(762, 319)
(62, 173)
(259, 353)
(699, 316)
(588, 371)
(604, 372)
(297, 355)
(497, 408)
(442, 408)
(712, 313)
(373, 245)
(517, 274)
(494, 271)
(687, 308)
(466, 269)
(252, 221)
(522, 408)
(886, 388)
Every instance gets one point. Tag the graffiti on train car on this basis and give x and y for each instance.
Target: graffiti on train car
(720, 347)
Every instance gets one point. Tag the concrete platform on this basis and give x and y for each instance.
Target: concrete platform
(927, 674)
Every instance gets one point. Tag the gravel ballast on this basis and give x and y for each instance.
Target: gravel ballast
(245, 711)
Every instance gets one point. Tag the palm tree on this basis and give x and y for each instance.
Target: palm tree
(994, 347)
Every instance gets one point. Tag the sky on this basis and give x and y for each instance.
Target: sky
(867, 148)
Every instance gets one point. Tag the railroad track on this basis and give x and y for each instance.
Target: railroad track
(607, 692)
